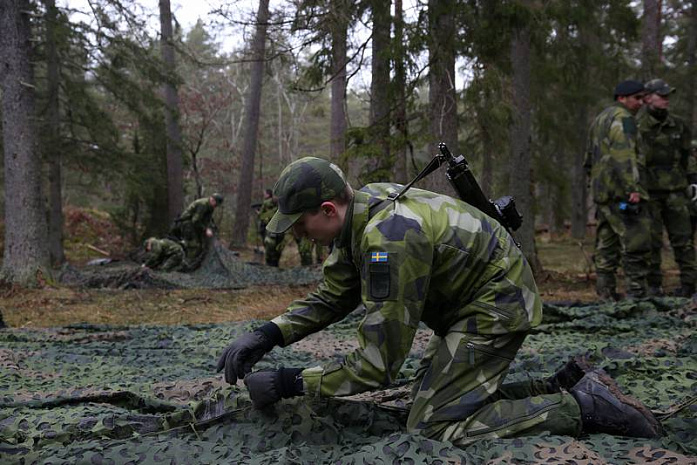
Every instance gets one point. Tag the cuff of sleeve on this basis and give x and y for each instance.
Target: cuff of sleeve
(291, 382)
(312, 381)
(273, 335)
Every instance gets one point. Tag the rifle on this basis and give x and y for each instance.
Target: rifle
(461, 178)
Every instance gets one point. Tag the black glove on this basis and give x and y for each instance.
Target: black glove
(239, 357)
(269, 386)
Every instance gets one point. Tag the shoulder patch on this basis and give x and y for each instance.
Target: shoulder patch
(629, 125)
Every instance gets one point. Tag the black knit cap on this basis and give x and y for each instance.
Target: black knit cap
(629, 87)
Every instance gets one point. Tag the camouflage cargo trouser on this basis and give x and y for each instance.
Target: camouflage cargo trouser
(671, 209)
(305, 247)
(273, 248)
(173, 262)
(625, 237)
(459, 395)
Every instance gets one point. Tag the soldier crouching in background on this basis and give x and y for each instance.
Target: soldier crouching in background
(163, 254)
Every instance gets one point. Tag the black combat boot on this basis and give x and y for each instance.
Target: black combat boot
(604, 409)
(567, 376)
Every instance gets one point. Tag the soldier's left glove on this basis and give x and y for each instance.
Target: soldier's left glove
(269, 386)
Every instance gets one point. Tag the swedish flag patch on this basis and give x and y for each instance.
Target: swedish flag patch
(379, 257)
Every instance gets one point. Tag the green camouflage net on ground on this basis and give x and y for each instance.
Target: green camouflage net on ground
(220, 269)
(114, 395)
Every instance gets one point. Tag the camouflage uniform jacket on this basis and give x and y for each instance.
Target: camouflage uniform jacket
(613, 162)
(267, 210)
(199, 213)
(425, 258)
(666, 145)
(160, 250)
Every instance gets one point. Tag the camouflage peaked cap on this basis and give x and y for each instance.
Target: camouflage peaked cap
(659, 86)
(303, 186)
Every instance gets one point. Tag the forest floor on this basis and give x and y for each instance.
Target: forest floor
(568, 276)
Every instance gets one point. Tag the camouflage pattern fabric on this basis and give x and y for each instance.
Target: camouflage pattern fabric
(220, 268)
(431, 258)
(626, 237)
(193, 223)
(665, 145)
(273, 248)
(670, 168)
(95, 394)
(612, 161)
(305, 248)
(672, 211)
(267, 210)
(165, 255)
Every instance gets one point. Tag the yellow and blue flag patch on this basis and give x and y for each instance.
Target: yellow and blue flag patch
(379, 257)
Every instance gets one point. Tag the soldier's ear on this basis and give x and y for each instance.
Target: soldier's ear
(328, 208)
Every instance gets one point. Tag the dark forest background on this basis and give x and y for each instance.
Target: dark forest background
(102, 112)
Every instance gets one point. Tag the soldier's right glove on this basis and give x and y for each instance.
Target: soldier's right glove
(269, 386)
(692, 192)
(240, 356)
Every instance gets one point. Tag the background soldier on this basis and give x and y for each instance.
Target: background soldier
(614, 166)
(266, 211)
(424, 258)
(692, 194)
(163, 254)
(195, 225)
(671, 173)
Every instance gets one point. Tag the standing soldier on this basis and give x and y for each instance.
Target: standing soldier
(163, 254)
(273, 243)
(671, 173)
(614, 164)
(265, 213)
(423, 258)
(692, 194)
(194, 227)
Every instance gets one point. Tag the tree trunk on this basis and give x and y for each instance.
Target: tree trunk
(651, 39)
(53, 146)
(339, 27)
(175, 178)
(26, 254)
(488, 151)
(692, 66)
(380, 82)
(579, 190)
(520, 178)
(252, 106)
(399, 85)
(441, 80)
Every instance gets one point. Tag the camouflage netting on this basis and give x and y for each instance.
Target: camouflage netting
(98, 395)
(220, 269)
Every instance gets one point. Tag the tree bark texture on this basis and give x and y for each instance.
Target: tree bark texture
(651, 39)
(26, 252)
(692, 67)
(339, 121)
(399, 91)
(380, 82)
(175, 177)
(520, 179)
(53, 145)
(441, 80)
(252, 109)
(579, 184)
